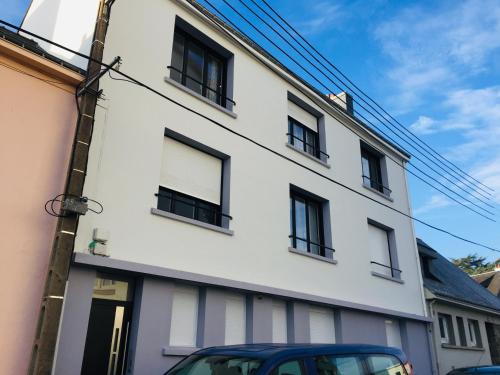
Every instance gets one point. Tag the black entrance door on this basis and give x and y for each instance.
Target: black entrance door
(107, 333)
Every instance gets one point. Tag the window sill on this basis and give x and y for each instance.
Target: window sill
(378, 192)
(183, 219)
(324, 164)
(314, 256)
(178, 350)
(390, 278)
(200, 97)
(449, 346)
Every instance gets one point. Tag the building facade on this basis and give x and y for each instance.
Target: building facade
(466, 316)
(37, 118)
(251, 215)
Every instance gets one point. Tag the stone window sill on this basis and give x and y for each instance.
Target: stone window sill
(200, 97)
(324, 164)
(178, 350)
(197, 223)
(450, 346)
(314, 256)
(377, 192)
(390, 278)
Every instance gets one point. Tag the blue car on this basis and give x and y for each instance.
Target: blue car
(486, 370)
(295, 359)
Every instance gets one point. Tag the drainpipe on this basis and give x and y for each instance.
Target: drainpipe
(431, 337)
(42, 357)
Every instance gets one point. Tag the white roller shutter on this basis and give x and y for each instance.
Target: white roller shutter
(302, 116)
(378, 242)
(184, 317)
(235, 320)
(321, 325)
(393, 333)
(190, 171)
(280, 334)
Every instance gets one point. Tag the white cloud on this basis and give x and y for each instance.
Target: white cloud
(324, 16)
(435, 201)
(424, 125)
(434, 49)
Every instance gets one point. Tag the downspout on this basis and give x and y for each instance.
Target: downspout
(43, 353)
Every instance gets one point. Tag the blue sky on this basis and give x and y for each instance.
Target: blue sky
(434, 65)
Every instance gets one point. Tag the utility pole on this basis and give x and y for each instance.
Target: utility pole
(62, 249)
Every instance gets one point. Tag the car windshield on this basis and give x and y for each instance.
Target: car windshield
(216, 365)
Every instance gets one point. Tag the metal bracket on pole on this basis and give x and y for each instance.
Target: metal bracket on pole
(102, 72)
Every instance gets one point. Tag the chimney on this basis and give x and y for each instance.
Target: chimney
(344, 100)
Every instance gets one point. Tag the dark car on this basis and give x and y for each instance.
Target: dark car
(489, 370)
(295, 359)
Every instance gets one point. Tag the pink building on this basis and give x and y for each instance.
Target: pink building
(37, 121)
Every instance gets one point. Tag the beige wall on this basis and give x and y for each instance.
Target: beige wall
(37, 121)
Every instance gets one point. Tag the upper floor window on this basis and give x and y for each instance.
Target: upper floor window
(305, 128)
(306, 224)
(199, 66)
(383, 250)
(374, 173)
(191, 182)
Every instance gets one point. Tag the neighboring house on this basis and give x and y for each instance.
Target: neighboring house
(211, 239)
(490, 280)
(466, 316)
(37, 121)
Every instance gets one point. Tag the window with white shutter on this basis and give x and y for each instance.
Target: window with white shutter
(184, 321)
(393, 333)
(378, 242)
(190, 183)
(321, 325)
(235, 332)
(280, 332)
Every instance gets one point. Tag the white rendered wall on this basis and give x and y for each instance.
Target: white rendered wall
(125, 163)
(67, 22)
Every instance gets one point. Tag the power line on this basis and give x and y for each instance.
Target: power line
(476, 189)
(362, 92)
(173, 101)
(381, 131)
(322, 73)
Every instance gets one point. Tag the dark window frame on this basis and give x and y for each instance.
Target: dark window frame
(321, 231)
(461, 331)
(391, 247)
(375, 179)
(293, 138)
(207, 51)
(175, 197)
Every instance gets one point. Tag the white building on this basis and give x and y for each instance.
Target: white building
(213, 239)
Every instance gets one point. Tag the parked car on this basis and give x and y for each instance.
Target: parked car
(295, 359)
(489, 370)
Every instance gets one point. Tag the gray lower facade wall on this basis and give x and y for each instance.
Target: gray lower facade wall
(149, 349)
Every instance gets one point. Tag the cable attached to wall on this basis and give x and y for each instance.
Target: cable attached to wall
(64, 205)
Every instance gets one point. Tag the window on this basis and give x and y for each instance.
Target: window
(474, 333)
(446, 329)
(382, 253)
(321, 325)
(184, 316)
(280, 332)
(385, 365)
(339, 365)
(235, 332)
(198, 67)
(373, 176)
(191, 183)
(461, 331)
(306, 224)
(393, 332)
(289, 368)
(216, 365)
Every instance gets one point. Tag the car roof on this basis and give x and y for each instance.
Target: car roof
(477, 370)
(277, 351)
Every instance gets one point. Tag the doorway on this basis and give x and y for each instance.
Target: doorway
(108, 328)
